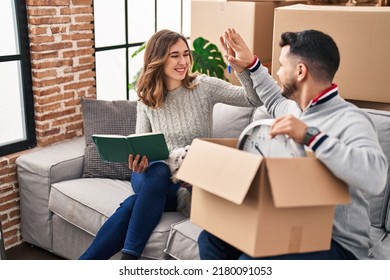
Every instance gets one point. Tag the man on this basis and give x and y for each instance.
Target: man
(309, 109)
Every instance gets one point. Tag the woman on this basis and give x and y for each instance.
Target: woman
(179, 104)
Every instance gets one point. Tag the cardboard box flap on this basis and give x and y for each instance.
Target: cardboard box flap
(313, 183)
(226, 174)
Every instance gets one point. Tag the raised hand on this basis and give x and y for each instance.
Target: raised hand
(238, 54)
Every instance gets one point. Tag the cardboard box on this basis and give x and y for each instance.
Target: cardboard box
(363, 37)
(254, 21)
(263, 207)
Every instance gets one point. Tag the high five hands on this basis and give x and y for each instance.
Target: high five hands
(237, 52)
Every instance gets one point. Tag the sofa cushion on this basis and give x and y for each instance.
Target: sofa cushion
(106, 117)
(87, 203)
(183, 241)
(381, 248)
(157, 241)
(379, 204)
(229, 121)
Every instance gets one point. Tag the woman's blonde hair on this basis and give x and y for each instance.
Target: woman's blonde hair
(151, 89)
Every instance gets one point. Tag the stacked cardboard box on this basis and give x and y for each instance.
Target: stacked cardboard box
(253, 19)
(363, 37)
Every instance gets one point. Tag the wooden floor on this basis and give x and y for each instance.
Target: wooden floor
(26, 251)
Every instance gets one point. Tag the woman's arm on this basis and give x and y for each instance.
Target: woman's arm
(220, 91)
(143, 123)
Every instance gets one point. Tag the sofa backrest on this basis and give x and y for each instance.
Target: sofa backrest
(229, 121)
(379, 204)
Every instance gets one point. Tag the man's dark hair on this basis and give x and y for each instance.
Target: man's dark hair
(316, 49)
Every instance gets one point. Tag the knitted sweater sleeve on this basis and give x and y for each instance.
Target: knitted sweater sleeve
(220, 91)
(142, 123)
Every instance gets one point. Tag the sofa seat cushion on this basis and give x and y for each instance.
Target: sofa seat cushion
(381, 244)
(183, 241)
(155, 248)
(87, 203)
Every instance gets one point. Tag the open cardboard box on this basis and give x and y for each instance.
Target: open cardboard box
(262, 206)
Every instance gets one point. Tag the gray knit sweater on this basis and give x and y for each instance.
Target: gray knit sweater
(348, 147)
(188, 114)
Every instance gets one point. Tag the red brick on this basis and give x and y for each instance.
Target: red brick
(53, 64)
(9, 205)
(14, 213)
(47, 2)
(74, 126)
(78, 69)
(76, 10)
(87, 60)
(81, 36)
(46, 55)
(82, 44)
(39, 126)
(55, 115)
(79, 85)
(70, 119)
(9, 178)
(48, 108)
(82, 2)
(9, 197)
(48, 20)
(47, 100)
(41, 12)
(51, 82)
(49, 132)
(59, 30)
(45, 92)
(3, 162)
(86, 75)
(38, 31)
(6, 170)
(81, 27)
(45, 73)
(49, 47)
(6, 188)
(84, 18)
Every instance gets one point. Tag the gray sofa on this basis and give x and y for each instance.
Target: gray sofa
(62, 207)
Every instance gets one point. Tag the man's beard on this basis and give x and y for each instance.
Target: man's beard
(289, 89)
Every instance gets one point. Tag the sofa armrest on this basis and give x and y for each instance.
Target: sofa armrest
(58, 162)
(37, 171)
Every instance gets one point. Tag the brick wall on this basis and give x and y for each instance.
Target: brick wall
(62, 62)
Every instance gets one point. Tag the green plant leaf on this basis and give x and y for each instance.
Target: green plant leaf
(208, 59)
(137, 51)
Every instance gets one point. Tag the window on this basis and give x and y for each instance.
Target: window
(120, 28)
(16, 98)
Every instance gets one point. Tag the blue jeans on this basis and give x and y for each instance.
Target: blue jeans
(130, 226)
(213, 248)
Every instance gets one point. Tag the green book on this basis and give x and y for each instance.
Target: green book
(116, 148)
